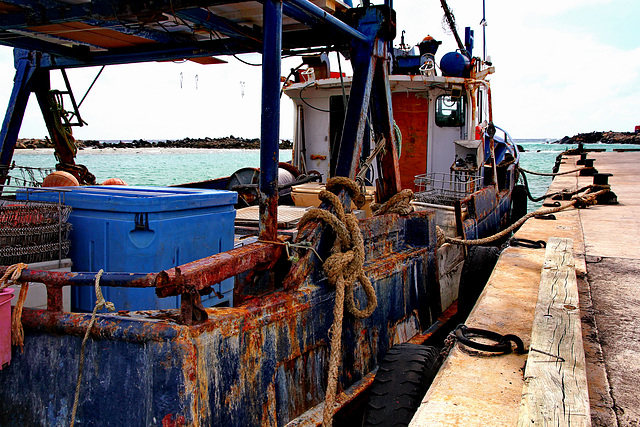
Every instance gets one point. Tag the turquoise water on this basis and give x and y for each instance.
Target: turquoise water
(162, 166)
(168, 166)
(540, 156)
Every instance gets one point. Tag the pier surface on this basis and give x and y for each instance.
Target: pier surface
(475, 389)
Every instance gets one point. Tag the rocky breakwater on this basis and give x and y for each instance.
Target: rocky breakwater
(602, 137)
(33, 143)
(226, 142)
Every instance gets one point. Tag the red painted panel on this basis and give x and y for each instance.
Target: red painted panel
(411, 113)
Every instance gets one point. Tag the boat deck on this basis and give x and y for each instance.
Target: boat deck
(491, 391)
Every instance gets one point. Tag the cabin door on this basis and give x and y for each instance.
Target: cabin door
(448, 125)
(411, 114)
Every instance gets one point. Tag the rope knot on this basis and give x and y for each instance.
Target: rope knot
(338, 183)
(585, 201)
(400, 203)
(344, 269)
(12, 274)
(100, 301)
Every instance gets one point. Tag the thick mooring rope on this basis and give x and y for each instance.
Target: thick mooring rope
(578, 201)
(553, 173)
(399, 203)
(563, 193)
(100, 304)
(343, 268)
(11, 275)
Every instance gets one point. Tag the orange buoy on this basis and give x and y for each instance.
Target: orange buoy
(114, 181)
(60, 179)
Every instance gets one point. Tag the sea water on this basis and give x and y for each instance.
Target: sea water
(169, 166)
(540, 156)
(153, 166)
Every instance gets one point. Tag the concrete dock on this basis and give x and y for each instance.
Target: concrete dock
(589, 373)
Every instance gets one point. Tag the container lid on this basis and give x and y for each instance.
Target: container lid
(316, 187)
(309, 187)
(118, 198)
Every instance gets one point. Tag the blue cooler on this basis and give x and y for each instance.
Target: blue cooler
(144, 230)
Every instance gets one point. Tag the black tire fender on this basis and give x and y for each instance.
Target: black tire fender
(404, 376)
(518, 203)
(476, 271)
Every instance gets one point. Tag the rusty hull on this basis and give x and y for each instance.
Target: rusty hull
(202, 273)
(488, 212)
(261, 363)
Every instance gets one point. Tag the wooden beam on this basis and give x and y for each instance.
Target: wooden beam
(555, 384)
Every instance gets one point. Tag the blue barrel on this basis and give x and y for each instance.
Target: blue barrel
(454, 64)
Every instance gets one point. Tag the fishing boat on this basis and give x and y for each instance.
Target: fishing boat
(281, 325)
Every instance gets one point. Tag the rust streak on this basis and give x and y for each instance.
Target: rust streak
(216, 268)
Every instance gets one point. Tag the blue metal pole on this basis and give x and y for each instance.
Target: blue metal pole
(316, 12)
(364, 66)
(17, 105)
(270, 131)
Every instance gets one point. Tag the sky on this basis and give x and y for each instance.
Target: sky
(562, 68)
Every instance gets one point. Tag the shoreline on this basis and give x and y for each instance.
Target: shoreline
(226, 143)
(29, 145)
(129, 150)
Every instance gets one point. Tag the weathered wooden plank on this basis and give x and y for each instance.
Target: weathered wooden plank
(555, 387)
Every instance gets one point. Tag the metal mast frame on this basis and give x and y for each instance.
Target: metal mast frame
(365, 31)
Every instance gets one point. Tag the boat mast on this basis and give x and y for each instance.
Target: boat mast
(452, 25)
(484, 33)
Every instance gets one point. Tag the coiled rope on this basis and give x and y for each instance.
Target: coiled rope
(11, 276)
(577, 201)
(344, 267)
(100, 304)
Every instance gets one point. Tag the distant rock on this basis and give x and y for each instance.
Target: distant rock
(226, 142)
(602, 137)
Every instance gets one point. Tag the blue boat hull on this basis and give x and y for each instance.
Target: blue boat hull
(262, 363)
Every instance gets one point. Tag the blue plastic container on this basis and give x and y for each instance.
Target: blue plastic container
(144, 230)
(454, 64)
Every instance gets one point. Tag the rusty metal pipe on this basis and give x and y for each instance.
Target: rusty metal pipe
(58, 279)
(216, 268)
(201, 273)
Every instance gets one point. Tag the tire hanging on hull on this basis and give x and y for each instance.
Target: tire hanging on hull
(404, 375)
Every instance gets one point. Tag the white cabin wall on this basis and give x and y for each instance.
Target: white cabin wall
(441, 149)
(316, 131)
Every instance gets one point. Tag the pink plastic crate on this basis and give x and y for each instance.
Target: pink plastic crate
(5, 326)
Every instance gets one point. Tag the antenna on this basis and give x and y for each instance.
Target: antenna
(484, 33)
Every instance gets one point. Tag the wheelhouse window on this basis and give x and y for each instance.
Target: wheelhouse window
(449, 111)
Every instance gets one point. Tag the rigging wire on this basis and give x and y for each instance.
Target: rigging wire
(291, 73)
(309, 105)
(91, 86)
(212, 33)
